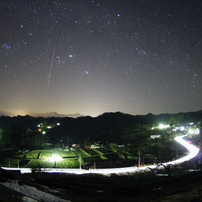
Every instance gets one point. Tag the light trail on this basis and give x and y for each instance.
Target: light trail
(193, 151)
(51, 68)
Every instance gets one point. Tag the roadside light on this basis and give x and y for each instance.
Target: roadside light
(197, 132)
(43, 132)
(182, 128)
(191, 131)
(161, 126)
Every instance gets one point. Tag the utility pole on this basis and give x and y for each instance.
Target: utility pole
(139, 159)
(80, 161)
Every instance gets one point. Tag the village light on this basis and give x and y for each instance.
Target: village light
(161, 126)
(182, 128)
(191, 131)
(197, 132)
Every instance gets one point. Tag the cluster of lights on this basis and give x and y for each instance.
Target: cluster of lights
(48, 127)
(194, 132)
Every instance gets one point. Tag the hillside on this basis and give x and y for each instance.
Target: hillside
(106, 127)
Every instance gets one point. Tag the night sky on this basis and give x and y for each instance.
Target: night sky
(91, 57)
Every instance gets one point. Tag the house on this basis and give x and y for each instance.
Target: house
(155, 137)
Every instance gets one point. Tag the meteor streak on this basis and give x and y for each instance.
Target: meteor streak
(51, 68)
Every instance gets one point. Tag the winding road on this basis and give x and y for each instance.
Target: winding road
(193, 151)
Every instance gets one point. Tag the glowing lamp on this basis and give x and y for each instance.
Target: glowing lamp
(55, 158)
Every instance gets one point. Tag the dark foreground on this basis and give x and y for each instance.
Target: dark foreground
(186, 186)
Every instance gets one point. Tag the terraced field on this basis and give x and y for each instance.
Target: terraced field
(40, 158)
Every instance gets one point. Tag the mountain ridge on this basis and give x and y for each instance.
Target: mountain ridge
(44, 115)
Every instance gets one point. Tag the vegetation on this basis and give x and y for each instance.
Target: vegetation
(122, 136)
(111, 127)
(122, 140)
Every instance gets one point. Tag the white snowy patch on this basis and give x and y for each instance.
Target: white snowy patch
(32, 193)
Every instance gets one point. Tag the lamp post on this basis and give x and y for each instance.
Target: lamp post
(80, 161)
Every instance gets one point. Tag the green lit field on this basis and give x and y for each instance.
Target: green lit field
(73, 158)
(68, 158)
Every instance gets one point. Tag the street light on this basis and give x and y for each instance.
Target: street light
(55, 158)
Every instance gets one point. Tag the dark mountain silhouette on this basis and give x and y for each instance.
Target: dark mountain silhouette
(106, 127)
(45, 115)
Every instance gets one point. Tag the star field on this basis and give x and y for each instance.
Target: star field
(135, 57)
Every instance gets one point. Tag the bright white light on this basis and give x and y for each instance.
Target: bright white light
(161, 126)
(55, 158)
(58, 124)
(191, 131)
(43, 132)
(193, 150)
(182, 128)
(197, 132)
(49, 127)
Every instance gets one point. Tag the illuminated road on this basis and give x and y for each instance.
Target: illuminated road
(193, 151)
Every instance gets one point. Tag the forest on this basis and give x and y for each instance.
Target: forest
(108, 127)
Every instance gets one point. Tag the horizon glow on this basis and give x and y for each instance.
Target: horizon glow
(85, 57)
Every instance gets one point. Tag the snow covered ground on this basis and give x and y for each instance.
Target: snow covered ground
(32, 194)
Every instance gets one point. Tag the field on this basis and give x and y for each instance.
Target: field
(41, 158)
(132, 187)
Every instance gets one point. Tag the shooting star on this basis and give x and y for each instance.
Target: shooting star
(51, 68)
